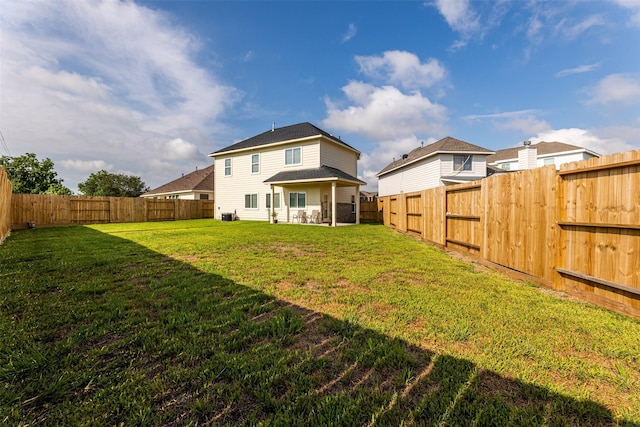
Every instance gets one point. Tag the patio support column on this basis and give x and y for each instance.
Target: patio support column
(358, 204)
(273, 204)
(333, 204)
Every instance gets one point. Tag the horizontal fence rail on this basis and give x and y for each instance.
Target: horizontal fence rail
(575, 230)
(41, 210)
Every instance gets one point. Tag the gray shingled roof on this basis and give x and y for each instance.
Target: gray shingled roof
(287, 133)
(445, 145)
(543, 148)
(199, 180)
(323, 173)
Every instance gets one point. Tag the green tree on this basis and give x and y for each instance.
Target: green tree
(58, 189)
(103, 183)
(28, 175)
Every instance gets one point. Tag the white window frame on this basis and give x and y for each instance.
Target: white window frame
(276, 201)
(227, 167)
(297, 199)
(549, 161)
(464, 161)
(255, 163)
(251, 198)
(292, 161)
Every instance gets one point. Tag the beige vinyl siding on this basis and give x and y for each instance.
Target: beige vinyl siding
(339, 157)
(416, 177)
(342, 158)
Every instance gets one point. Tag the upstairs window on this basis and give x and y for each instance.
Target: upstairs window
(462, 162)
(227, 167)
(293, 156)
(255, 163)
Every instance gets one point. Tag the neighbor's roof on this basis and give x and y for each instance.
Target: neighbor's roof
(544, 148)
(323, 173)
(283, 134)
(198, 180)
(446, 145)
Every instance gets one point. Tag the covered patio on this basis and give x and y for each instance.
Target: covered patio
(324, 184)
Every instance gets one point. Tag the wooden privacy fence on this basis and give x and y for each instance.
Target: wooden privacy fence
(50, 210)
(369, 211)
(576, 230)
(5, 203)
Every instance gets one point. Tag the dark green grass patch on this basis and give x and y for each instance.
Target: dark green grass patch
(203, 322)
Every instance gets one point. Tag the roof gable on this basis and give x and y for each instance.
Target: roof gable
(281, 135)
(198, 180)
(445, 145)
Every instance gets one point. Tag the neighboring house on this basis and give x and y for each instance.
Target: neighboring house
(445, 162)
(368, 196)
(198, 185)
(532, 156)
(300, 168)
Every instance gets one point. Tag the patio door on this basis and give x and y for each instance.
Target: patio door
(326, 207)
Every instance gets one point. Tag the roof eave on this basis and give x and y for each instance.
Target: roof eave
(288, 141)
(484, 153)
(312, 180)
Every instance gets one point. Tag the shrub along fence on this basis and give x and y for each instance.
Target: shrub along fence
(5, 204)
(575, 230)
(52, 211)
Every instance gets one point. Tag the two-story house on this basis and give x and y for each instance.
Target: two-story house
(298, 172)
(537, 155)
(447, 161)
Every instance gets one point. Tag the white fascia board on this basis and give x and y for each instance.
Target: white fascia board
(565, 153)
(168, 193)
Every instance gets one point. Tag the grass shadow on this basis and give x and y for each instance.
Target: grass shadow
(100, 330)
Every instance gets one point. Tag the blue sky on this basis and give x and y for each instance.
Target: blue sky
(150, 88)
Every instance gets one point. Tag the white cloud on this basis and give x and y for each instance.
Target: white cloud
(402, 68)
(571, 30)
(634, 8)
(616, 89)
(85, 166)
(179, 149)
(113, 79)
(392, 112)
(524, 121)
(577, 70)
(351, 32)
(460, 17)
(385, 112)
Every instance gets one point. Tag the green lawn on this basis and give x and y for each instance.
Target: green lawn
(210, 323)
